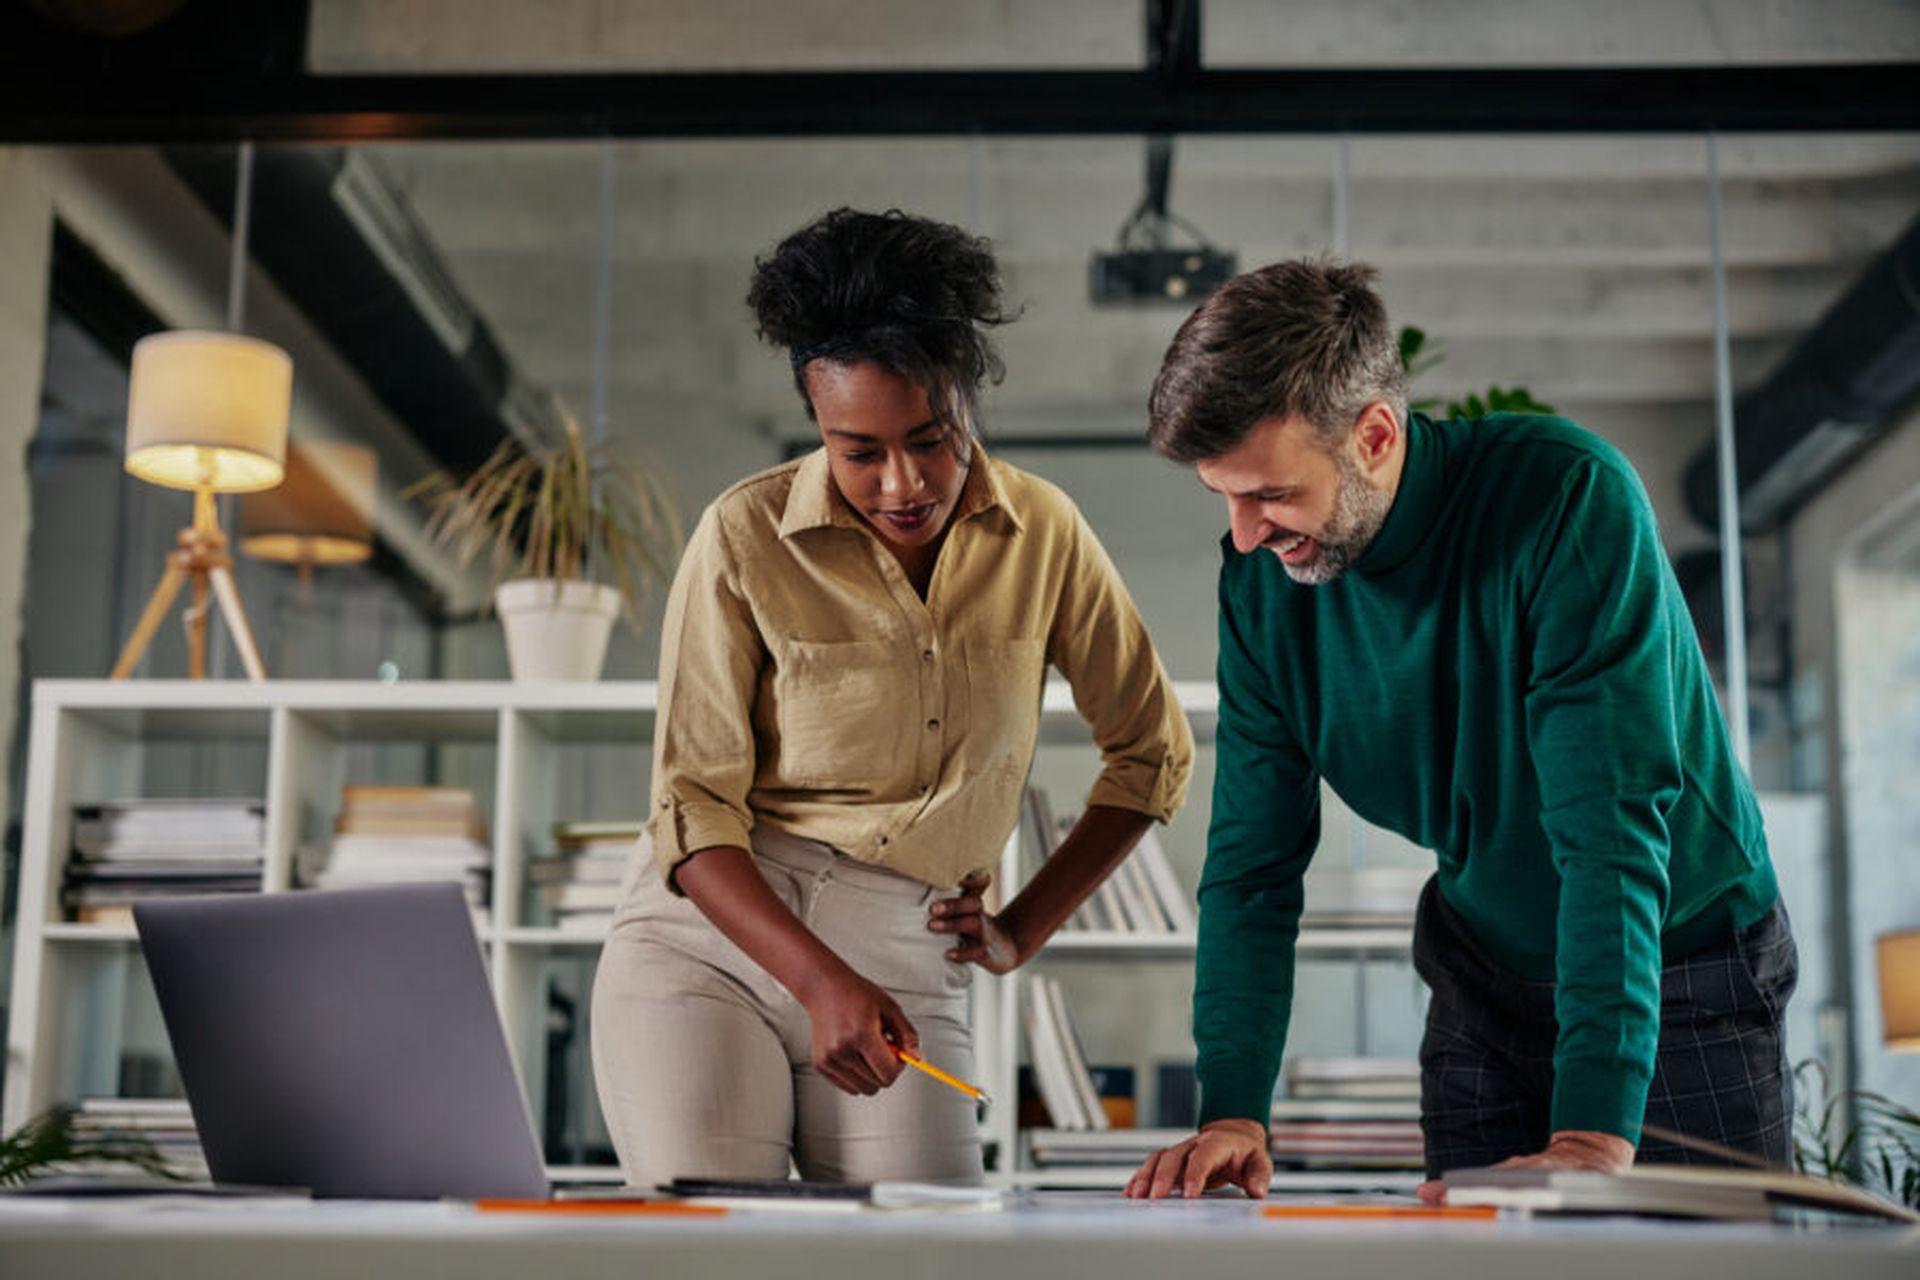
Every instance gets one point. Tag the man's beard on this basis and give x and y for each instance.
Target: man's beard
(1359, 509)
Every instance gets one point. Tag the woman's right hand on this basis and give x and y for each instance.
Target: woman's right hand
(856, 1026)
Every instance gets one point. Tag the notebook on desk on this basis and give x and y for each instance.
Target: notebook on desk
(343, 1041)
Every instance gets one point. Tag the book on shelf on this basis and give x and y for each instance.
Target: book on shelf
(1668, 1191)
(166, 1124)
(1362, 897)
(1172, 899)
(172, 831)
(1059, 1061)
(566, 898)
(1086, 1093)
(394, 835)
(583, 836)
(577, 884)
(1351, 1077)
(1288, 1110)
(1141, 896)
(128, 850)
(449, 812)
(579, 868)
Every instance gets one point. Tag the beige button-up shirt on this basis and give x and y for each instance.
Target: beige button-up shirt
(805, 684)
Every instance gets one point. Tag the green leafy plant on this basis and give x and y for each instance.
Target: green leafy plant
(1879, 1152)
(561, 513)
(1418, 355)
(50, 1142)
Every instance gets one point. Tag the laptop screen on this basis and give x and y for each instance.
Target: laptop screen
(344, 1041)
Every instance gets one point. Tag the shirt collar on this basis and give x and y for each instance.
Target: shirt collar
(1415, 502)
(814, 501)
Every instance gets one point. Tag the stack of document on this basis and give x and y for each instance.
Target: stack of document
(125, 851)
(578, 886)
(1363, 898)
(1668, 1191)
(391, 835)
(165, 1124)
(1360, 1113)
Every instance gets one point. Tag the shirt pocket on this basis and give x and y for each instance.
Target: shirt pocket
(839, 708)
(1005, 679)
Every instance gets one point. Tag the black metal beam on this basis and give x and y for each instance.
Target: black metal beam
(41, 106)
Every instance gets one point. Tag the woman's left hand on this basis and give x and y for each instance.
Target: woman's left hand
(980, 937)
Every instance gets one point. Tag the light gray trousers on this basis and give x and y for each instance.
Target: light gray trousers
(704, 1062)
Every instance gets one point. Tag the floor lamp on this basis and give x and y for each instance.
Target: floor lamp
(322, 514)
(207, 411)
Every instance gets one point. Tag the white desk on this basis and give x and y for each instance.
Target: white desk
(1043, 1237)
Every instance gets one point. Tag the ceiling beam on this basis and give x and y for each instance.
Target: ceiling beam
(127, 106)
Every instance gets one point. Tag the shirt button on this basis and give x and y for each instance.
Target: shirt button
(933, 724)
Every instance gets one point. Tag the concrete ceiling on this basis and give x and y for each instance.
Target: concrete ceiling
(1578, 267)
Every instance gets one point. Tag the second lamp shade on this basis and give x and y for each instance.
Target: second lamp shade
(321, 514)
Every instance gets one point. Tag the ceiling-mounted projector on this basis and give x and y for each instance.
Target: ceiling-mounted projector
(1146, 265)
(1158, 275)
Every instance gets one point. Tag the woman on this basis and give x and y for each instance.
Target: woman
(850, 681)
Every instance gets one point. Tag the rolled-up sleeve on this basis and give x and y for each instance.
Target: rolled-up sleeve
(711, 653)
(1100, 645)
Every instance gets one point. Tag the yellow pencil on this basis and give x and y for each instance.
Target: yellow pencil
(921, 1064)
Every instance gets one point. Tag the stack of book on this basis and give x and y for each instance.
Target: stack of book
(1060, 1060)
(125, 851)
(1141, 896)
(1363, 898)
(1063, 1148)
(165, 1124)
(1392, 1079)
(578, 884)
(390, 835)
(1348, 1113)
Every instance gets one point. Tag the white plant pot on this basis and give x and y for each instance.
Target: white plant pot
(556, 631)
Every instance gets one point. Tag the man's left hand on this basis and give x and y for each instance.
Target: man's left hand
(980, 937)
(1567, 1149)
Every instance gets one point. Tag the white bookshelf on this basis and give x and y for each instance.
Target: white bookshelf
(96, 740)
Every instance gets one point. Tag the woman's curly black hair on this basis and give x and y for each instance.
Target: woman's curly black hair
(909, 294)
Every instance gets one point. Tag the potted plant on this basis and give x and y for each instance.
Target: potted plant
(574, 536)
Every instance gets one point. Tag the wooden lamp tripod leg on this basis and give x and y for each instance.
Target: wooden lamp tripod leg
(229, 597)
(157, 605)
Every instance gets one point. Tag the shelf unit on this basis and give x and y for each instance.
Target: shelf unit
(94, 740)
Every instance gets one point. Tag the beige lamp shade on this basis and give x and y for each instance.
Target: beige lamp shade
(322, 513)
(1899, 957)
(208, 409)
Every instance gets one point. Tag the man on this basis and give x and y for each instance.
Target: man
(1469, 630)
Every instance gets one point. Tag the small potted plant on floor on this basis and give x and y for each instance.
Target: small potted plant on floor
(574, 535)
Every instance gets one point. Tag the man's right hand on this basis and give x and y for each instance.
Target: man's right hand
(1222, 1153)
(855, 1028)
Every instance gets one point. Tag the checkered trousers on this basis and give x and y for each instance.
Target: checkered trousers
(1720, 1072)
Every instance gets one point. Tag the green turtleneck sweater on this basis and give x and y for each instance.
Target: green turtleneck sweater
(1507, 676)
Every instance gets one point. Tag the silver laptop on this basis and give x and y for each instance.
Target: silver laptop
(344, 1041)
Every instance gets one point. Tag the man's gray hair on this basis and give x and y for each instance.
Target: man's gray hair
(1307, 338)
